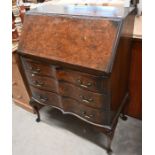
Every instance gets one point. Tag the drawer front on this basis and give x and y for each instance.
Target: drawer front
(82, 80)
(42, 82)
(45, 97)
(83, 111)
(88, 98)
(68, 105)
(37, 67)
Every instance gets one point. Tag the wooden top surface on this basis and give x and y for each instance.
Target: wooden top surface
(80, 10)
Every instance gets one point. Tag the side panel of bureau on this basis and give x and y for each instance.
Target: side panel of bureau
(121, 70)
(134, 108)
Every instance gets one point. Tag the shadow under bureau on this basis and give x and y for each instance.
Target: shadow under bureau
(77, 59)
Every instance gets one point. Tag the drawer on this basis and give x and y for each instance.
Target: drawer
(90, 114)
(68, 105)
(42, 82)
(82, 80)
(86, 97)
(45, 97)
(37, 67)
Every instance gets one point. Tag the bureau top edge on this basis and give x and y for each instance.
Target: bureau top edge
(90, 11)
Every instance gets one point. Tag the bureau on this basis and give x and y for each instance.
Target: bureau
(77, 59)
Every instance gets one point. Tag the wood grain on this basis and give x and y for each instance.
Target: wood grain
(82, 42)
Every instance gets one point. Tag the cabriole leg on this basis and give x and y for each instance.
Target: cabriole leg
(109, 141)
(122, 114)
(38, 114)
(110, 135)
(36, 109)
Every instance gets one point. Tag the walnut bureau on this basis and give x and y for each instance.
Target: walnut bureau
(77, 59)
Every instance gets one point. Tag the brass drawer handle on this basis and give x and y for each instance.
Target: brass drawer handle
(35, 70)
(38, 84)
(87, 116)
(90, 116)
(89, 84)
(43, 99)
(86, 100)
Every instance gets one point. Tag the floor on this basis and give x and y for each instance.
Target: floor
(59, 134)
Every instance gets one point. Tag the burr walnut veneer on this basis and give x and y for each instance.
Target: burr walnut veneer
(77, 59)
